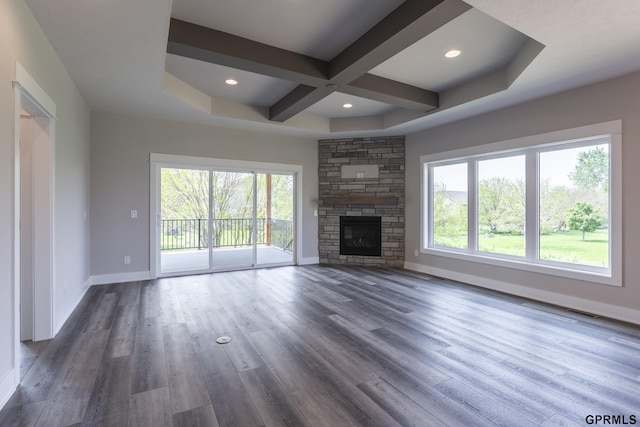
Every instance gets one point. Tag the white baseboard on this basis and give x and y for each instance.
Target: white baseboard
(66, 311)
(107, 279)
(7, 387)
(576, 303)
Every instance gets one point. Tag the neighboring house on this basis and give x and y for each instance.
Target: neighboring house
(457, 197)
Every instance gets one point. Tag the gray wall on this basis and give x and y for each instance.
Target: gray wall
(610, 100)
(22, 39)
(120, 148)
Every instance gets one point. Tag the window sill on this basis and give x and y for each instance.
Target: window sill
(604, 278)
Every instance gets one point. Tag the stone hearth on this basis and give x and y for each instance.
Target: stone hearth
(361, 177)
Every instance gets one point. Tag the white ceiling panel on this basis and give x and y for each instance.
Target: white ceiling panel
(485, 44)
(318, 28)
(332, 106)
(252, 89)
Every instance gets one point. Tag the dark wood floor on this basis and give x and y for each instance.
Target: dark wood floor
(325, 346)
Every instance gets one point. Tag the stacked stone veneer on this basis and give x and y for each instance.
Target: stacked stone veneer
(388, 154)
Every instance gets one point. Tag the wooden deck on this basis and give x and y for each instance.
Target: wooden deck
(325, 346)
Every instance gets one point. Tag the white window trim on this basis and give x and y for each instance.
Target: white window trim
(613, 276)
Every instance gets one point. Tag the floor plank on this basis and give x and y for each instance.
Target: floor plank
(231, 402)
(198, 417)
(151, 408)
(75, 381)
(109, 400)
(22, 415)
(272, 402)
(307, 391)
(398, 405)
(149, 362)
(186, 383)
(102, 316)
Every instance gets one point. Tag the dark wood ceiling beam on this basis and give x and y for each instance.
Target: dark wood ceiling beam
(299, 99)
(347, 72)
(408, 23)
(392, 92)
(217, 47)
(411, 21)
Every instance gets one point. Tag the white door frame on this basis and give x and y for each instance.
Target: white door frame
(30, 97)
(158, 161)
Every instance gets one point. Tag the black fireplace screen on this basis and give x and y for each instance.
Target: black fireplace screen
(360, 235)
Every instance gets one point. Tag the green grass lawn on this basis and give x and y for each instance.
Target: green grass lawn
(565, 246)
(569, 247)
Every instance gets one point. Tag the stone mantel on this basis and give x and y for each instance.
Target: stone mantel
(359, 200)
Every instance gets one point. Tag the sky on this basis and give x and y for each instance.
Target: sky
(555, 166)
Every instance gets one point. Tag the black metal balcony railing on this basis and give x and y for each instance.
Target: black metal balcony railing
(226, 232)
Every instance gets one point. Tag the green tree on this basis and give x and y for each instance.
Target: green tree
(555, 202)
(449, 218)
(185, 193)
(584, 217)
(281, 196)
(592, 170)
(501, 205)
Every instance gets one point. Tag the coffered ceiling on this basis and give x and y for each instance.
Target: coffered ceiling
(298, 62)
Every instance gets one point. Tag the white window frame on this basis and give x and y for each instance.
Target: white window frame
(531, 145)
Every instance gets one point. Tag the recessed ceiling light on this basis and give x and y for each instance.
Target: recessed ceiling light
(452, 53)
(231, 82)
(347, 105)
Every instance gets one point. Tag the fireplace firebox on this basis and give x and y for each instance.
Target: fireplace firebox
(360, 235)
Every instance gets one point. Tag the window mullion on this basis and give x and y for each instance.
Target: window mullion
(472, 205)
(432, 202)
(427, 206)
(532, 200)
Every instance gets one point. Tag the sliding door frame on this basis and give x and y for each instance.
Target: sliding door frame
(159, 161)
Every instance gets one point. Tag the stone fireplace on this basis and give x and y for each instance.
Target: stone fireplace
(361, 201)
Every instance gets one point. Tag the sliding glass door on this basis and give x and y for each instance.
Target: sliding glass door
(233, 219)
(213, 219)
(275, 218)
(184, 225)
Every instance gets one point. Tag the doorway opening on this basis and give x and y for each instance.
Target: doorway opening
(33, 235)
(34, 179)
